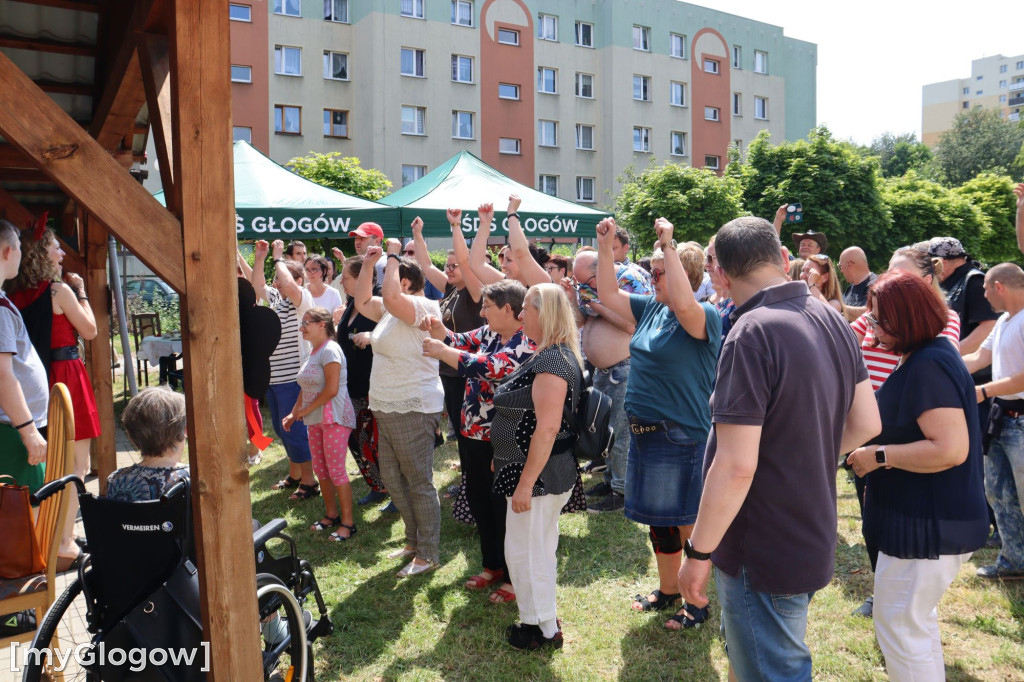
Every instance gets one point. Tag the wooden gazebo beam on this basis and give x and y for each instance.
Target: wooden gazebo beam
(15, 211)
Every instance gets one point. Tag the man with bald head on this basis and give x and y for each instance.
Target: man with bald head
(854, 266)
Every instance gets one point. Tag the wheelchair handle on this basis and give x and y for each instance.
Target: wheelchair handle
(56, 486)
(173, 491)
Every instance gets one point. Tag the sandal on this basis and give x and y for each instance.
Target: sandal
(286, 483)
(326, 522)
(481, 581)
(306, 491)
(661, 601)
(334, 537)
(696, 617)
(502, 596)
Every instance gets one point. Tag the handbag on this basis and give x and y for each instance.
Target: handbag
(20, 555)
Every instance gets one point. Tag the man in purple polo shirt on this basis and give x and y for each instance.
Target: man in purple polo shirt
(767, 518)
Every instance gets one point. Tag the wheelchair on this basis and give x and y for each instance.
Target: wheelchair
(138, 590)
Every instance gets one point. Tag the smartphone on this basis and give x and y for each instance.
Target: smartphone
(794, 213)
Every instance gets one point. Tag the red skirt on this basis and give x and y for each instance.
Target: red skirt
(72, 374)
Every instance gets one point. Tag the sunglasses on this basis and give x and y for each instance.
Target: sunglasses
(451, 267)
(409, 253)
(874, 321)
(656, 275)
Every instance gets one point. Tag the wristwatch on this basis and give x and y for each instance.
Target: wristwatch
(880, 455)
(691, 553)
(395, 256)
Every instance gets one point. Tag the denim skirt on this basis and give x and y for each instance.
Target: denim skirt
(663, 475)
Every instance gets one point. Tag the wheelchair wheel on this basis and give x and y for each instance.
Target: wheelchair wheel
(64, 629)
(282, 631)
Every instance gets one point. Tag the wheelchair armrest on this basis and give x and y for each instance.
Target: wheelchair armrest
(261, 535)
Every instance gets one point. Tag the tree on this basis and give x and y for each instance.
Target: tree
(343, 173)
(837, 186)
(980, 140)
(696, 201)
(993, 196)
(898, 154)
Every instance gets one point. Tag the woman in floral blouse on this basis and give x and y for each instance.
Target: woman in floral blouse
(484, 356)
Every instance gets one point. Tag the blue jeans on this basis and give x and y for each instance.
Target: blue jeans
(612, 382)
(663, 475)
(764, 633)
(281, 399)
(1004, 480)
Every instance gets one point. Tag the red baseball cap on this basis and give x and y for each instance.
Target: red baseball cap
(369, 230)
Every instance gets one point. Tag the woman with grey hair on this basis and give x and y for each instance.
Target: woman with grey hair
(155, 423)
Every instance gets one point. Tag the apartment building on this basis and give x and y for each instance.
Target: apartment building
(995, 82)
(558, 94)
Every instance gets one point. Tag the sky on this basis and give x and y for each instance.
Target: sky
(874, 56)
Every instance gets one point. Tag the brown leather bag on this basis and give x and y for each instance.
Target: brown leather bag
(19, 551)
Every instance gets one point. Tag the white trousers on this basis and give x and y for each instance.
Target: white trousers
(531, 540)
(907, 592)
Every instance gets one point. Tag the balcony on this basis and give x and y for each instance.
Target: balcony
(1016, 86)
(1013, 117)
(1016, 100)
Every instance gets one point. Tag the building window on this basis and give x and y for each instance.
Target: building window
(548, 184)
(413, 120)
(412, 62)
(677, 45)
(462, 125)
(547, 133)
(677, 145)
(462, 12)
(979, 78)
(547, 27)
(584, 34)
(241, 74)
(240, 13)
(712, 114)
(761, 108)
(335, 123)
(290, 8)
(760, 61)
(1002, 68)
(508, 91)
(412, 8)
(642, 88)
(507, 36)
(287, 60)
(335, 65)
(584, 137)
(241, 134)
(585, 189)
(411, 174)
(965, 105)
(641, 38)
(462, 69)
(1020, 65)
(336, 10)
(585, 85)
(737, 104)
(978, 92)
(710, 65)
(1002, 99)
(738, 144)
(287, 120)
(509, 145)
(677, 94)
(967, 91)
(641, 139)
(547, 80)
(711, 161)
(1002, 85)
(737, 57)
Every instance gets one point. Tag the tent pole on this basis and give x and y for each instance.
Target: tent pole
(122, 323)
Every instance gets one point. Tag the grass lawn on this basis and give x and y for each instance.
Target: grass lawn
(430, 628)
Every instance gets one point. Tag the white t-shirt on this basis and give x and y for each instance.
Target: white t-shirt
(312, 380)
(402, 379)
(330, 299)
(292, 350)
(1006, 342)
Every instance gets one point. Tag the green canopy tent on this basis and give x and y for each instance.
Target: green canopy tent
(271, 202)
(465, 182)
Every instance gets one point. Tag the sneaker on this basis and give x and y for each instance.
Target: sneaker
(389, 508)
(599, 490)
(17, 623)
(997, 572)
(529, 637)
(596, 466)
(372, 497)
(613, 502)
(866, 609)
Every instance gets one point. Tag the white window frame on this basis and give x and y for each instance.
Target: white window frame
(284, 8)
(510, 145)
(329, 133)
(578, 86)
(762, 103)
(457, 117)
(641, 140)
(457, 61)
(246, 79)
(329, 56)
(280, 62)
(248, 16)
(641, 38)
(578, 34)
(711, 65)
(547, 27)
(236, 129)
(672, 143)
(543, 182)
(581, 182)
(672, 90)
(413, 169)
(414, 5)
(541, 70)
(509, 85)
(712, 114)
(457, 15)
(419, 117)
(284, 119)
(580, 129)
(679, 38)
(761, 62)
(711, 157)
(645, 88)
(967, 91)
(508, 32)
(737, 57)
(542, 137)
(1002, 68)
(329, 14)
(737, 104)
(419, 59)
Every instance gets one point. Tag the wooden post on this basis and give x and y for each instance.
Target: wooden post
(104, 449)
(201, 132)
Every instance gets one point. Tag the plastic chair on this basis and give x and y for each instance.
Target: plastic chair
(37, 591)
(143, 325)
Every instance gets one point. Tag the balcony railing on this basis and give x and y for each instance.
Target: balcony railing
(1013, 117)
(1016, 86)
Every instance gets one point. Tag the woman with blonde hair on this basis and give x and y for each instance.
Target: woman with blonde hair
(820, 275)
(534, 465)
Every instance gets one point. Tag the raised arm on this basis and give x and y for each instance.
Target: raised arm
(365, 302)
(691, 314)
(780, 217)
(72, 301)
(256, 275)
(473, 285)
(479, 262)
(395, 302)
(430, 271)
(286, 284)
(530, 270)
(243, 265)
(612, 297)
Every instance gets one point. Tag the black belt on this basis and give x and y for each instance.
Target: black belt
(1011, 408)
(64, 353)
(639, 428)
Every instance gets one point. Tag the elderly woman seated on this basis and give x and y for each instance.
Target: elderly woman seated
(155, 423)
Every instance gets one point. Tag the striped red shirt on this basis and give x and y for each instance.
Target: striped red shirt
(881, 363)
